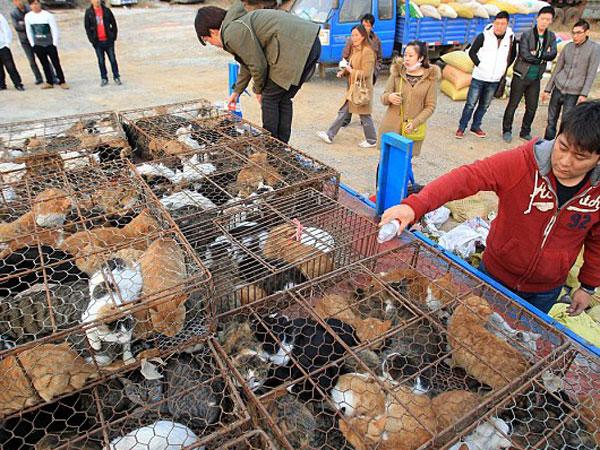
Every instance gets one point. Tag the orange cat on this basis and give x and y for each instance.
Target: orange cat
(113, 199)
(487, 358)
(251, 176)
(357, 394)
(315, 246)
(162, 146)
(49, 210)
(451, 406)
(53, 369)
(163, 271)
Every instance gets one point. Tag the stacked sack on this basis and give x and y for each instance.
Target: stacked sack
(456, 75)
(469, 9)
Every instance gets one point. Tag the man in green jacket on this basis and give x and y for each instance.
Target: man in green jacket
(278, 50)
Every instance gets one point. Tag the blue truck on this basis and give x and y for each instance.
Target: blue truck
(337, 17)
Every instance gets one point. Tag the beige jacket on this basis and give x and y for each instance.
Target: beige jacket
(362, 61)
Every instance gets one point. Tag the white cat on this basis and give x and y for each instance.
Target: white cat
(186, 198)
(161, 435)
(114, 285)
(490, 435)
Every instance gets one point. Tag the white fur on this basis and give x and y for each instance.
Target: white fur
(161, 435)
(156, 170)
(77, 160)
(186, 198)
(9, 194)
(282, 357)
(50, 220)
(498, 326)
(344, 400)
(315, 237)
(487, 436)
(11, 172)
(183, 135)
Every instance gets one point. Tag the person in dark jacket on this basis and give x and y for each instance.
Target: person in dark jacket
(537, 46)
(18, 19)
(549, 208)
(101, 28)
(278, 49)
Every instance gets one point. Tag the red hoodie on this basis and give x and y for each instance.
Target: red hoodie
(532, 243)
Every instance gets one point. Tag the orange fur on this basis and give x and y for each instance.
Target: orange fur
(164, 271)
(162, 146)
(451, 406)
(280, 244)
(362, 393)
(487, 358)
(250, 177)
(114, 199)
(590, 410)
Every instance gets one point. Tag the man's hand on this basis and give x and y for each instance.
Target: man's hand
(259, 98)
(580, 301)
(395, 99)
(545, 96)
(581, 98)
(233, 98)
(403, 213)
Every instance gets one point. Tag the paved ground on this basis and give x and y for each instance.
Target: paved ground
(161, 61)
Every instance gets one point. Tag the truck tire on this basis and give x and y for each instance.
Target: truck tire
(572, 15)
(559, 16)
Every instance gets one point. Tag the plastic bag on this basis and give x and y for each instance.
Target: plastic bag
(463, 239)
(437, 217)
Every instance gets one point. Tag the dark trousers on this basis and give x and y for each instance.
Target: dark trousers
(558, 100)
(107, 49)
(7, 62)
(277, 107)
(31, 58)
(520, 87)
(481, 94)
(348, 117)
(48, 56)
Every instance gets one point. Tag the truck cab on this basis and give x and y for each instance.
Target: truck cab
(338, 17)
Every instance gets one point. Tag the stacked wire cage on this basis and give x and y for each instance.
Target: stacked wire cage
(68, 142)
(96, 280)
(403, 350)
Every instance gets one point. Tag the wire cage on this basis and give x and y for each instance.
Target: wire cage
(272, 244)
(93, 272)
(168, 130)
(68, 142)
(181, 400)
(558, 408)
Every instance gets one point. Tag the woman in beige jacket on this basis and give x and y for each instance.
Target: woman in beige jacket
(361, 67)
(412, 84)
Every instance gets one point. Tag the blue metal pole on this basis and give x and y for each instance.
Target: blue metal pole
(234, 70)
(394, 171)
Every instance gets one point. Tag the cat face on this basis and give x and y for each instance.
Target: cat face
(252, 367)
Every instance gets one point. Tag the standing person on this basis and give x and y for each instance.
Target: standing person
(18, 19)
(367, 21)
(101, 28)
(279, 50)
(492, 52)
(537, 46)
(360, 69)
(549, 209)
(42, 33)
(573, 76)
(412, 88)
(6, 59)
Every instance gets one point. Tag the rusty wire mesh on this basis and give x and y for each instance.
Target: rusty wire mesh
(178, 128)
(93, 272)
(183, 399)
(70, 142)
(262, 247)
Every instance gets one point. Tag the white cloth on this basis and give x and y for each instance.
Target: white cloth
(5, 33)
(41, 18)
(492, 57)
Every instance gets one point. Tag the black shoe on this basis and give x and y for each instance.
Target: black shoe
(103, 83)
(56, 81)
(525, 136)
(2, 88)
(37, 82)
(20, 88)
(118, 81)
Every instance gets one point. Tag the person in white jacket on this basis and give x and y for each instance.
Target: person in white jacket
(42, 33)
(492, 52)
(6, 58)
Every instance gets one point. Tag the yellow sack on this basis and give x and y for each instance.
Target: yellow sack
(457, 77)
(462, 9)
(435, 3)
(430, 11)
(478, 205)
(503, 6)
(583, 325)
(447, 11)
(478, 10)
(455, 94)
(459, 59)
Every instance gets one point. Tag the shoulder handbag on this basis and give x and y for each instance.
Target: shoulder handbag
(418, 133)
(501, 88)
(359, 92)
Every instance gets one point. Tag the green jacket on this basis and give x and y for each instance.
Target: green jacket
(269, 44)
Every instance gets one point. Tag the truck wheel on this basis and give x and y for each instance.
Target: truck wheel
(559, 16)
(572, 15)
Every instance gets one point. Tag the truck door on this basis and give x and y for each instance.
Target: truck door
(385, 25)
(344, 19)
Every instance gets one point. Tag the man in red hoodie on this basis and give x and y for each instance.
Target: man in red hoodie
(549, 207)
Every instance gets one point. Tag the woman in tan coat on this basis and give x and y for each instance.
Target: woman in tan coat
(412, 84)
(361, 67)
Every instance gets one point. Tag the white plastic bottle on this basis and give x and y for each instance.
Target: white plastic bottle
(388, 231)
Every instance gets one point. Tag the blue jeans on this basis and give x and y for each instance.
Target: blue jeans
(480, 94)
(108, 48)
(541, 300)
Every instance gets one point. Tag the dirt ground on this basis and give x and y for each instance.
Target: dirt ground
(161, 61)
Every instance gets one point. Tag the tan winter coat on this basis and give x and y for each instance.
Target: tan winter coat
(362, 61)
(418, 101)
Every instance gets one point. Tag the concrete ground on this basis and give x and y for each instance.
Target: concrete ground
(161, 61)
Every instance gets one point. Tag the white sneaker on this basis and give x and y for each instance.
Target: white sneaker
(323, 135)
(365, 144)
